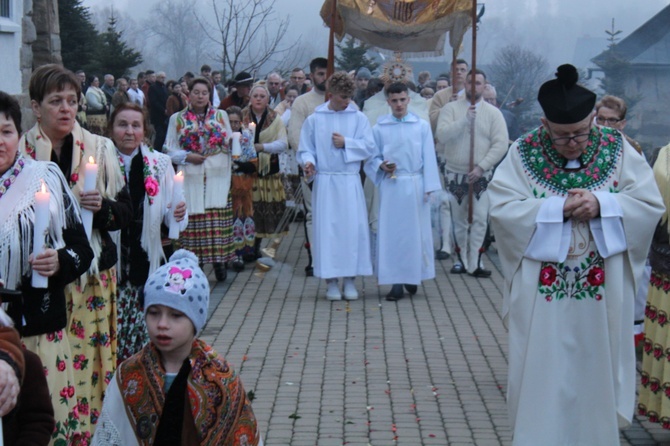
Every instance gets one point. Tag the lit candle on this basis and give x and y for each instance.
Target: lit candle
(177, 194)
(40, 228)
(237, 148)
(90, 178)
(252, 129)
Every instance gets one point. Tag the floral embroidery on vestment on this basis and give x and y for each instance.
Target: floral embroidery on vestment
(585, 281)
(544, 164)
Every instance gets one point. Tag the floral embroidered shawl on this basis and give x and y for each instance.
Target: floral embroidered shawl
(218, 402)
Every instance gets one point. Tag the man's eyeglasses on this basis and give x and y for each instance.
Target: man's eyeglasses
(607, 121)
(565, 140)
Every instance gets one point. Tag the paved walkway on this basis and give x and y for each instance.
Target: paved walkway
(427, 370)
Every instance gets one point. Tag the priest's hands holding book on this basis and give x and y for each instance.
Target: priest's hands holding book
(581, 205)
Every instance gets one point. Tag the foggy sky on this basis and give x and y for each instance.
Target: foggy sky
(551, 27)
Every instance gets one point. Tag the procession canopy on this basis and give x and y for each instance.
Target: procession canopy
(407, 26)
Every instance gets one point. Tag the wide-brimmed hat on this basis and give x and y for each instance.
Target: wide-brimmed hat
(244, 78)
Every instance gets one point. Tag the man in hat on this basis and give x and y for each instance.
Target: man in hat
(239, 97)
(490, 146)
(573, 207)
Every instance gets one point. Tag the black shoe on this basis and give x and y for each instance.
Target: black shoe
(441, 255)
(411, 289)
(220, 272)
(248, 258)
(309, 271)
(457, 269)
(395, 294)
(238, 265)
(480, 272)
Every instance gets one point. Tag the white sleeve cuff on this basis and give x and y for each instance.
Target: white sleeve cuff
(551, 240)
(607, 230)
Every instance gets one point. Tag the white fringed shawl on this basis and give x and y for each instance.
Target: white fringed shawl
(155, 212)
(17, 216)
(110, 181)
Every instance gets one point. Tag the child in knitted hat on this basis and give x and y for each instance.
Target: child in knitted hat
(177, 390)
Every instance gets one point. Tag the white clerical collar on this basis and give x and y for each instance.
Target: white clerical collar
(573, 164)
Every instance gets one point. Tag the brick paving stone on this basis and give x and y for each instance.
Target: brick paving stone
(435, 364)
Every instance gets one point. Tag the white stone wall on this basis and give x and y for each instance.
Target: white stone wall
(11, 42)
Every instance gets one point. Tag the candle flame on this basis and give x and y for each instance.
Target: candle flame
(179, 174)
(91, 160)
(43, 187)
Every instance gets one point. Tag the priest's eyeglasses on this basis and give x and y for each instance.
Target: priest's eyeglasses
(565, 140)
(607, 121)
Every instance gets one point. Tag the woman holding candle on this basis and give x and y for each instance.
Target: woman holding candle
(269, 141)
(150, 178)
(92, 320)
(244, 176)
(40, 314)
(198, 140)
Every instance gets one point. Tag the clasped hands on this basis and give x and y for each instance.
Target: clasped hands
(581, 205)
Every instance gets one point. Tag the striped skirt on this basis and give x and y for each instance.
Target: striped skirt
(210, 235)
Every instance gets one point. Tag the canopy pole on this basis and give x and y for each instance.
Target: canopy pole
(331, 40)
(473, 101)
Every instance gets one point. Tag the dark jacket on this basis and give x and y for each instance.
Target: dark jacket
(158, 96)
(31, 422)
(44, 310)
(133, 256)
(233, 99)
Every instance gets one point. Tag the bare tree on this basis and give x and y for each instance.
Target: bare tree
(175, 32)
(249, 34)
(517, 74)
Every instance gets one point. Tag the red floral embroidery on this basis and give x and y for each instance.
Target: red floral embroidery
(151, 186)
(548, 275)
(585, 280)
(596, 277)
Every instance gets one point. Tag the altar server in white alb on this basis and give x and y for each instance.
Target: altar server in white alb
(334, 141)
(404, 169)
(574, 207)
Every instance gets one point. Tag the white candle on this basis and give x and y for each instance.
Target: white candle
(237, 148)
(252, 129)
(40, 227)
(177, 193)
(90, 178)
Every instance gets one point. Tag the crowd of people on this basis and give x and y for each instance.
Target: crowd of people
(145, 180)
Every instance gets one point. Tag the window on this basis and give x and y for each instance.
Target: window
(4, 8)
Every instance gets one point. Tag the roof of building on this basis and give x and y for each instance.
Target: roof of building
(647, 45)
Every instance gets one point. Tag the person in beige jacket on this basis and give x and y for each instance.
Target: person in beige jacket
(453, 130)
